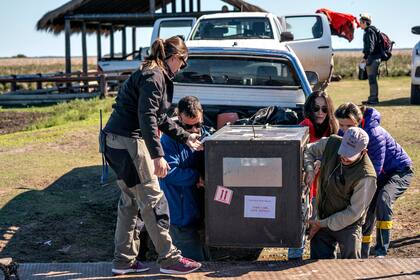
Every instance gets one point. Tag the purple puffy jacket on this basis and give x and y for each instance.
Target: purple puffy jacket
(385, 153)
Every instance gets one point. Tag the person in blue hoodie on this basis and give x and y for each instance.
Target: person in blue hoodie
(393, 169)
(183, 185)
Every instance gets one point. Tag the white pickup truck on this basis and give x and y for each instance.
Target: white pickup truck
(243, 80)
(310, 40)
(310, 37)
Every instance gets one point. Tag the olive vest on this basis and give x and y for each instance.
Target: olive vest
(337, 181)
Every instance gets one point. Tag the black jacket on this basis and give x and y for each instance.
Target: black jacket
(140, 110)
(371, 47)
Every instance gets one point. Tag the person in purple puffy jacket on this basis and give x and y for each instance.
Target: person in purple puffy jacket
(393, 169)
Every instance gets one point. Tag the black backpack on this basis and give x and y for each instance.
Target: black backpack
(385, 45)
(272, 115)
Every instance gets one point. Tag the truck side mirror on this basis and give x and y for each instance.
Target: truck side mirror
(312, 77)
(286, 36)
(416, 30)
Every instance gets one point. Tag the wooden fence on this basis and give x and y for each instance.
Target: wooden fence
(67, 87)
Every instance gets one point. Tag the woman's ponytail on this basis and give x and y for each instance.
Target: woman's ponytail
(162, 49)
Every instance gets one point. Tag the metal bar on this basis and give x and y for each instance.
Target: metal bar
(124, 42)
(198, 5)
(98, 42)
(133, 39)
(191, 6)
(84, 49)
(111, 41)
(67, 27)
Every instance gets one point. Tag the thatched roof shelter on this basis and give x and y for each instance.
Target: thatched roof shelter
(104, 17)
(121, 12)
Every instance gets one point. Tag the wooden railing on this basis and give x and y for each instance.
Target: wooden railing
(74, 85)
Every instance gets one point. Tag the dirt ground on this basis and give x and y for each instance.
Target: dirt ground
(90, 218)
(18, 121)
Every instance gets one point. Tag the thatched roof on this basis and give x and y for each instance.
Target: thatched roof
(116, 12)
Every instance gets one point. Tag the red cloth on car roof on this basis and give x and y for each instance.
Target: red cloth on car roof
(342, 25)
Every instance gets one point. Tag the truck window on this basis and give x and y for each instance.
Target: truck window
(304, 27)
(238, 71)
(233, 28)
(168, 29)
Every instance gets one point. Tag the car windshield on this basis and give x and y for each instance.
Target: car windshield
(229, 28)
(238, 71)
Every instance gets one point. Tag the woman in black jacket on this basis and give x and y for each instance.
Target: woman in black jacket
(134, 152)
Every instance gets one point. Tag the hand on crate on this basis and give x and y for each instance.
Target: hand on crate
(200, 182)
(194, 143)
(317, 166)
(314, 227)
(309, 178)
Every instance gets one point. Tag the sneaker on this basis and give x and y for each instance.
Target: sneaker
(184, 266)
(136, 267)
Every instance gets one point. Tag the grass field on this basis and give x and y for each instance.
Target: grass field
(53, 208)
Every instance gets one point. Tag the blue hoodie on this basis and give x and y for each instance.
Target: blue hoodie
(179, 185)
(385, 153)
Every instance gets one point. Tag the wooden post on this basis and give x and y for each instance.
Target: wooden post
(39, 83)
(13, 85)
(98, 42)
(124, 42)
(163, 6)
(84, 57)
(133, 39)
(198, 5)
(183, 6)
(103, 86)
(173, 6)
(111, 41)
(84, 49)
(152, 6)
(67, 28)
(191, 6)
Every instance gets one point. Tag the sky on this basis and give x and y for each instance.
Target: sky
(19, 17)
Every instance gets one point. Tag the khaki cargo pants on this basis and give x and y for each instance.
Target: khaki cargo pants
(131, 161)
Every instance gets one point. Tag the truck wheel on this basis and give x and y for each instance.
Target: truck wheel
(415, 94)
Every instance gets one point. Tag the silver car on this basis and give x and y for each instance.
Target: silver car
(415, 69)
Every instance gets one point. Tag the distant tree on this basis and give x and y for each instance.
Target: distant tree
(20, 56)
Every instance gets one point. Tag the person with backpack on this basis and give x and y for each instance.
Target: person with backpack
(371, 56)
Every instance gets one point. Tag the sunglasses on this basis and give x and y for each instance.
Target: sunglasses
(191, 126)
(184, 62)
(324, 109)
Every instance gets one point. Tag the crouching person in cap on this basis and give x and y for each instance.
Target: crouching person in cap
(347, 183)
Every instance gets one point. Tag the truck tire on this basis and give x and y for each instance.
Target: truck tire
(415, 94)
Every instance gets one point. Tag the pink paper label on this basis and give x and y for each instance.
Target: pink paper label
(223, 195)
